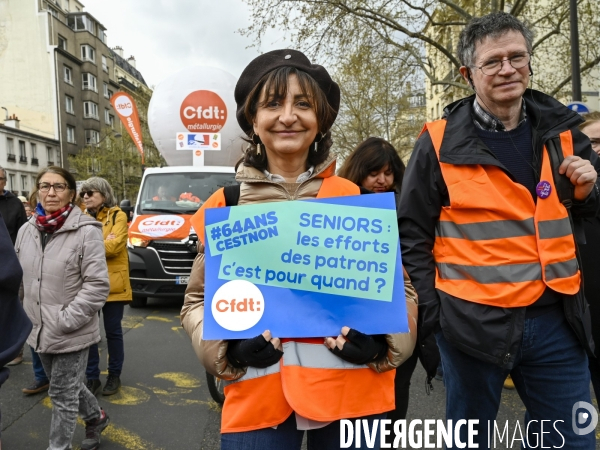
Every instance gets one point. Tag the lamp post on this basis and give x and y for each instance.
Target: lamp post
(575, 68)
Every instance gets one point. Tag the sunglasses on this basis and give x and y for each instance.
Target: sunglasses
(89, 193)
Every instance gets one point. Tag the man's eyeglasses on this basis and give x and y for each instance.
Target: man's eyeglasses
(88, 193)
(2, 178)
(493, 66)
(58, 187)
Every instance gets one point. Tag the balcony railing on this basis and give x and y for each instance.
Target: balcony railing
(23, 159)
(35, 162)
(11, 157)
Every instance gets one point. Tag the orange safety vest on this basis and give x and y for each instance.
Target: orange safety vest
(494, 245)
(308, 379)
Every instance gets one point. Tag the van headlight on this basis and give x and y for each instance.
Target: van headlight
(138, 242)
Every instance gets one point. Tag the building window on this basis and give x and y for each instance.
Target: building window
(11, 178)
(23, 182)
(101, 35)
(92, 137)
(104, 63)
(69, 104)
(90, 110)
(105, 89)
(67, 6)
(82, 23)
(33, 150)
(89, 82)
(88, 53)
(62, 43)
(70, 134)
(22, 153)
(50, 155)
(10, 146)
(110, 94)
(68, 75)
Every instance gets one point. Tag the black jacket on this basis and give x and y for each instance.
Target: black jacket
(13, 211)
(590, 258)
(14, 323)
(489, 333)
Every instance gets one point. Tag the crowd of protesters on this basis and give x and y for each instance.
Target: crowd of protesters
(498, 218)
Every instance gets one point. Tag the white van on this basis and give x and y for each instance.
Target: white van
(161, 252)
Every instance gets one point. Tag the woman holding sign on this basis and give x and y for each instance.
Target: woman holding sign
(277, 389)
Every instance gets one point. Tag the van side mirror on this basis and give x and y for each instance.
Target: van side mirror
(126, 207)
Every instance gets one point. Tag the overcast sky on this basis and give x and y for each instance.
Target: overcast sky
(166, 36)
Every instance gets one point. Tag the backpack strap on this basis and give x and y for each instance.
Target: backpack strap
(232, 194)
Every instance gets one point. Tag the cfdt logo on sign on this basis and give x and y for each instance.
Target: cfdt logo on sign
(123, 106)
(203, 111)
(238, 305)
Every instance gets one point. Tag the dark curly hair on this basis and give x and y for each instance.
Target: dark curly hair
(372, 155)
(275, 85)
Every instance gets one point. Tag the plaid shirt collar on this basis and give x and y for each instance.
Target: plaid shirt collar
(486, 121)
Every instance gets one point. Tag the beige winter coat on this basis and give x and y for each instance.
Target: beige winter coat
(255, 188)
(65, 284)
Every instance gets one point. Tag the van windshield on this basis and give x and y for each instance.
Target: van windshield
(180, 193)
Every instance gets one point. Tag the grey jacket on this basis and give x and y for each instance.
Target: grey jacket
(66, 284)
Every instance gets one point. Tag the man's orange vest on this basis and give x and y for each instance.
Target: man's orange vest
(494, 245)
(308, 379)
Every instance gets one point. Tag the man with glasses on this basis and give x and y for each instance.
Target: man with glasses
(490, 211)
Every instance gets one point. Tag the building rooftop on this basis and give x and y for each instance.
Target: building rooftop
(123, 64)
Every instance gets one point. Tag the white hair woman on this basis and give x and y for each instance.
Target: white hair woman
(100, 203)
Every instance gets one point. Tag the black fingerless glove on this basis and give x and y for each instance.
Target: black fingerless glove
(255, 352)
(361, 348)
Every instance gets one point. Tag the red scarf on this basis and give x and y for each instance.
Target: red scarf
(51, 222)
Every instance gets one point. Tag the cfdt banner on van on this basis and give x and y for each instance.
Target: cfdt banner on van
(126, 108)
(304, 268)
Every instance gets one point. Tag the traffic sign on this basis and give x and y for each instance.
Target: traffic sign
(579, 107)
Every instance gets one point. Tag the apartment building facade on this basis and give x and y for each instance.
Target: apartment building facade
(58, 72)
(23, 154)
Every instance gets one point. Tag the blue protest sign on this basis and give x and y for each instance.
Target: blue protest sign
(304, 268)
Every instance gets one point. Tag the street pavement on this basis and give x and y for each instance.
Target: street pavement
(164, 403)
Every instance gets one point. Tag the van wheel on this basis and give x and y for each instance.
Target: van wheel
(138, 302)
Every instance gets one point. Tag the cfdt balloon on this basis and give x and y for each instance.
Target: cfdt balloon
(197, 99)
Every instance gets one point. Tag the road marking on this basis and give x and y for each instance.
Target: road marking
(128, 396)
(132, 322)
(159, 319)
(180, 379)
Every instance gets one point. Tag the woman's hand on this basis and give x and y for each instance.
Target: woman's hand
(261, 351)
(356, 347)
(111, 236)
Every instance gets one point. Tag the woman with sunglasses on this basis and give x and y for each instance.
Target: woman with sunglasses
(65, 280)
(100, 202)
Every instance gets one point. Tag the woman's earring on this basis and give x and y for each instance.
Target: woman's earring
(318, 142)
(256, 143)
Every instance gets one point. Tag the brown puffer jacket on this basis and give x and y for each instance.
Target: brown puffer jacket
(65, 284)
(256, 188)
